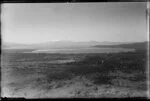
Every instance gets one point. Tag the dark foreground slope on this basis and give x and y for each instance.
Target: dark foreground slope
(42, 75)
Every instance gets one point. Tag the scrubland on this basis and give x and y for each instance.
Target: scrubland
(44, 75)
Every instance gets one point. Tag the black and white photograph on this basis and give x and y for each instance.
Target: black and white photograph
(75, 50)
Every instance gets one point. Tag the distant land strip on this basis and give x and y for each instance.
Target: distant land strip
(136, 46)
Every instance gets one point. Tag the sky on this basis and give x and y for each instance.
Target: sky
(44, 22)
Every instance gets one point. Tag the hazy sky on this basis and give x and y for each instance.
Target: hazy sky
(31, 23)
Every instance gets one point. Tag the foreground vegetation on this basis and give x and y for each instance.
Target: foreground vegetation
(86, 75)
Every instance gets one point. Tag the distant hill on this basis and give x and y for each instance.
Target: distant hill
(56, 45)
(136, 46)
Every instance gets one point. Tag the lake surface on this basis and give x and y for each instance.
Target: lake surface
(84, 50)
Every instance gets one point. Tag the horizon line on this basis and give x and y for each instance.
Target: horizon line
(74, 41)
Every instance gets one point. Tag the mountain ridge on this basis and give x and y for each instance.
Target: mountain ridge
(66, 44)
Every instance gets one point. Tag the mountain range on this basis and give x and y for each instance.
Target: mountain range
(57, 44)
